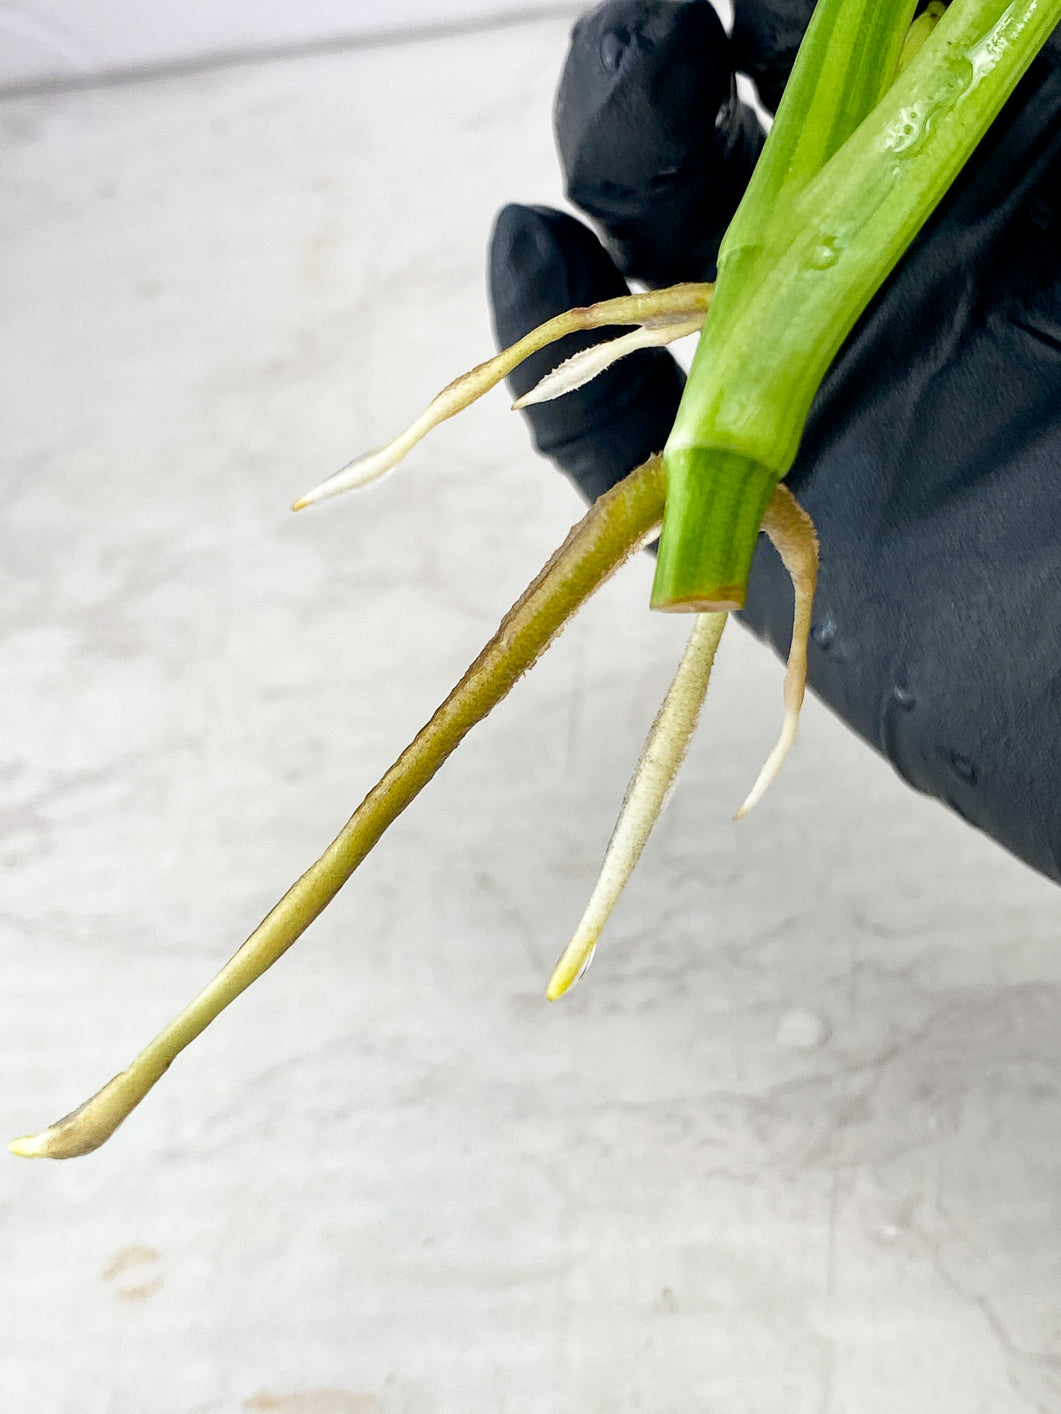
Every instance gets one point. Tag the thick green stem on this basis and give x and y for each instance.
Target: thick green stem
(721, 498)
(846, 63)
(780, 315)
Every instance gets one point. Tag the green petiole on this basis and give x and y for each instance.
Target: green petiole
(845, 187)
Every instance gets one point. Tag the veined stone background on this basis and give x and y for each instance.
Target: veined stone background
(795, 1142)
(49, 41)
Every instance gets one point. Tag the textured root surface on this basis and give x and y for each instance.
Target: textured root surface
(660, 311)
(617, 525)
(657, 769)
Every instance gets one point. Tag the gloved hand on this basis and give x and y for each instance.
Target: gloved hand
(931, 463)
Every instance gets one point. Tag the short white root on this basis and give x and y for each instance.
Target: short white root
(792, 534)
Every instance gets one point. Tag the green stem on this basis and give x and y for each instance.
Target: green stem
(780, 315)
(721, 515)
(846, 63)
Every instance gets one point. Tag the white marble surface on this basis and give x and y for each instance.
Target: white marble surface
(795, 1144)
(44, 41)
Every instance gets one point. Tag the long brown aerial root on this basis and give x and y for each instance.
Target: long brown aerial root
(617, 525)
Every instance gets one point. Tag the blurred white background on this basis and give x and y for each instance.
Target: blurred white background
(793, 1147)
(57, 39)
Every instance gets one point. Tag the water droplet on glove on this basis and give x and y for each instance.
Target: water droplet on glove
(614, 44)
(824, 632)
(963, 768)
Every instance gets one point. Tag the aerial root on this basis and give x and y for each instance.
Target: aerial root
(619, 523)
(584, 366)
(668, 314)
(611, 531)
(648, 792)
(792, 534)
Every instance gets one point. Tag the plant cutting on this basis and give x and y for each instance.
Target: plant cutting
(869, 136)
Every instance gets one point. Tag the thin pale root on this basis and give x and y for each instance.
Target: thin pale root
(583, 367)
(688, 302)
(791, 531)
(648, 792)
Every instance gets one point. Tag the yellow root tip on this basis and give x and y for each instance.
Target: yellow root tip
(572, 967)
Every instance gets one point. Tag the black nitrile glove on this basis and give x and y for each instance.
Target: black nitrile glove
(931, 462)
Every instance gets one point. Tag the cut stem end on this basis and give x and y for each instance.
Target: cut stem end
(715, 505)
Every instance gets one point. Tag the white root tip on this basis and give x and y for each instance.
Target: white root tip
(772, 764)
(663, 314)
(583, 367)
(368, 467)
(791, 531)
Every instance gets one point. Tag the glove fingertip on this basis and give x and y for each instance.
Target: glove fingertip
(541, 263)
(766, 38)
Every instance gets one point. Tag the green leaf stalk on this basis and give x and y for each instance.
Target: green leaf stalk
(855, 164)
